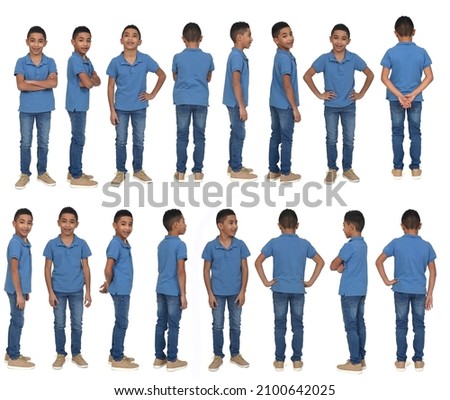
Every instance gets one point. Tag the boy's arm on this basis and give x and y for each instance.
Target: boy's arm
(150, 96)
(15, 277)
(259, 268)
(317, 269)
(87, 281)
(380, 266)
(109, 274)
(240, 299)
(207, 278)
(209, 76)
(237, 90)
(369, 78)
(309, 81)
(431, 283)
(388, 83)
(425, 82)
(52, 299)
(32, 85)
(87, 81)
(112, 111)
(289, 90)
(337, 265)
(181, 273)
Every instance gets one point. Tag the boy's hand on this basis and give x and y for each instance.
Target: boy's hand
(104, 288)
(53, 300)
(144, 96)
(390, 282)
(87, 300)
(20, 302)
(270, 283)
(356, 96)
(243, 116)
(341, 268)
(240, 299)
(429, 302)
(114, 118)
(327, 95)
(184, 303)
(212, 301)
(297, 116)
(404, 102)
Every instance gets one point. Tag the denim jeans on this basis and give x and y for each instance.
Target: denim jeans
(75, 301)
(26, 139)
(282, 133)
(138, 120)
(15, 328)
(234, 315)
(237, 136)
(78, 122)
(296, 302)
(398, 128)
(169, 316)
(347, 116)
(184, 114)
(121, 309)
(353, 313)
(402, 303)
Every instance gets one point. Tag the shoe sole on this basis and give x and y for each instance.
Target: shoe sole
(57, 368)
(20, 187)
(159, 366)
(124, 369)
(239, 365)
(290, 181)
(17, 367)
(243, 179)
(351, 180)
(214, 369)
(141, 180)
(298, 369)
(80, 366)
(47, 184)
(176, 369)
(349, 372)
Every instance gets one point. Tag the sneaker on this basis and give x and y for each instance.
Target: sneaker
(179, 176)
(22, 182)
(59, 362)
(416, 173)
(363, 364)
(298, 365)
(142, 176)
(46, 179)
(273, 176)
(159, 363)
(278, 365)
(110, 359)
(7, 358)
(176, 365)
(418, 365)
(397, 173)
(124, 365)
(79, 361)
(87, 176)
(239, 361)
(198, 176)
(118, 179)
(350, 368)
(400, 365)
(331, 177)
(351, 176)
(291, 177)
(20, 363)
(229, 170)
(243, 175)
(216, 363)
(83, 182)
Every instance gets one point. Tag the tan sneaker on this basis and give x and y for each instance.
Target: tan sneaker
(278, 365)
(297, 365)
(418, 365)
(179, 176)
(142, 176)
(159, 363)
(118, 179)
(216, 363)
(198, 176)
(22, 182)
(363, 364)
(400, 366)
(124, 365)
(416, 173)
(291, 177)
(351, 176)
(83, 182)
(87, 176)
(110, 359)
(20, 363)
(229, 170)
(79, 361)
(46, 179)
(273, 176)
(331, 177)
(7, 358)
(176, 365)
(350, 368)
(59, 362)
(243, 175)
(397, 173)
(239, 361)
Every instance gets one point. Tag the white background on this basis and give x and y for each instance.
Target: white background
(378, 196)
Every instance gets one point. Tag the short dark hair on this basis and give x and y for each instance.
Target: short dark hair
(22, 211)
(122, 213)
(404, 26)
(132, 27)
(238, 28)
(411, 219)
(278, 27)
(80, 29)
(36, 29)
(192, 32)
(223, 214)
(288, 219)
(356, 218)
(68, 210)
(170, 217)
(341, 27)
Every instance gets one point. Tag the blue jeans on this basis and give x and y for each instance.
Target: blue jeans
(398, 128)
(121, 309)
(347, 115)
(237, 136)
(26, 138)
(75, 301)
(282, 133)
(15, 328)
(296, 302)
(138, 120)
(353, 313)
(78, 122)
(234, 315)
(402, 303)
(169, 316)
(184, 114)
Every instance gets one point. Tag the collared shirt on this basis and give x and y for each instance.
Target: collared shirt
(120, 252)
(21, 251)
(283, 64)
(354, 277)
(237, 61)
(77, 97)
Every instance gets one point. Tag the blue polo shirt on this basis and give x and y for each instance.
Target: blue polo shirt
(406, 61)
(289, 253)
(283, 64)
(411, 255)
(21, 251)
(170, 251)
(226, 274)
(77, 98)
(354, 277)
(122, 280)
(339, 76)
(131, 80)
(67, 274)
(38, 101)
(237, 61)
(192, 67)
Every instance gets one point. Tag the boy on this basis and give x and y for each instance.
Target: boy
(68, 254)
(351, 262)
(225, 272)
(284, 102)
(81, 77)
(36, 76)
(18, 286)
(235, 97)
(403, 66)
(339, 97)
(118, 283)
(289, 253)
(170, 291)
(128, 73)
(192, 70)
(412, 256)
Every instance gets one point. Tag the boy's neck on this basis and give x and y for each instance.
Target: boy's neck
(67, 239)
(192, 45)
(130, 53)
(173, 233)
(83, 56)
(405, 39)
(36, 58)
(239, 46)
(225, 240)
(282, 48)
(411, 231)
(288, 231)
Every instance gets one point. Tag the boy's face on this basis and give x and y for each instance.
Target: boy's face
(229, 226)
(130, 39)
(285, 39)
(67, 223)
(245, 39)
(180, 226)
(348, 229)
(23, 225)
(339, 40)
(82, 43)
(36, 43)
(123, 227)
